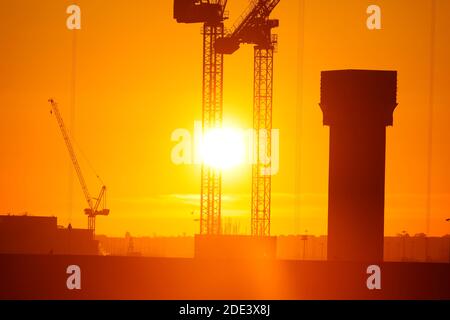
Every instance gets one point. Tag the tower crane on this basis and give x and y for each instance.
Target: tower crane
(255, 28)
(93, 209)
(212, 14)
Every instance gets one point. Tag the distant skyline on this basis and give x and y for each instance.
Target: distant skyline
(138, 78)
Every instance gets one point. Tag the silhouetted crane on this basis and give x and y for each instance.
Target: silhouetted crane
(93, 203)
(212, 14)
(255, 27)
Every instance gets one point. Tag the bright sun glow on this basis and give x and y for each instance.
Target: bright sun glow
(223, 148)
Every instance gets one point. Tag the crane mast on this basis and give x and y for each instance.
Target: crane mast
(262, 126)
(255, 27)
(93, 207)
(212, 14)
(211, 178)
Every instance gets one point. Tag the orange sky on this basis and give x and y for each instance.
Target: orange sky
(139, 78)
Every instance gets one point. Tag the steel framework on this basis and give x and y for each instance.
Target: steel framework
(211, 178)
(262, 125)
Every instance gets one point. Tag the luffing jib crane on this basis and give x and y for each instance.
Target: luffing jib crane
(212, 14)
(93, 209)
(255, 28)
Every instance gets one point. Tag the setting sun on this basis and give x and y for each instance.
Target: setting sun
(223, 148)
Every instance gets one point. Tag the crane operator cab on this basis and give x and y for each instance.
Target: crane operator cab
(198, 11)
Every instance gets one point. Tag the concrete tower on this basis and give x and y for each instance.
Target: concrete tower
(357, 105)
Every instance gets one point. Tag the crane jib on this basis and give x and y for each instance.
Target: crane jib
(93, 207)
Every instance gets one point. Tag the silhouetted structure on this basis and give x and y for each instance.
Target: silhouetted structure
(288, 247)
(235, 247)
(357, 105)
(96, 206)
(41, 235)
(212, 14)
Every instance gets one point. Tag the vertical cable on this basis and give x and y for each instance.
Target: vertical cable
(431, 115)
(72, 115)
(299, 116)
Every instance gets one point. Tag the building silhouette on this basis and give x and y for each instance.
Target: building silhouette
(42, 235)
(357, 105)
